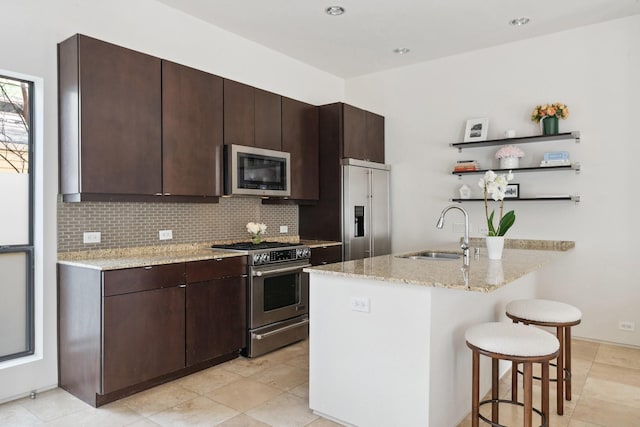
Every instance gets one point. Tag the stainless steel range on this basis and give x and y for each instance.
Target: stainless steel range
(278, 294)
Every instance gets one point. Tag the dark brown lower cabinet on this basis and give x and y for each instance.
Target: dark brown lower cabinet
(144, 336)
(215, 323)
(123, 331)
(326, 255)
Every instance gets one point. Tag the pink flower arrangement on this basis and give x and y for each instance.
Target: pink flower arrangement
(509, 151)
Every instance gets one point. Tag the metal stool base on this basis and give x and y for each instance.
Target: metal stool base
(488, 421)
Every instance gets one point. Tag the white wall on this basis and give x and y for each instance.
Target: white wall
(595, 71)
(30, 34)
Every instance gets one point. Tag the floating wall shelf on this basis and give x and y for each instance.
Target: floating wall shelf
(573, 166)
(575, 135)
(527, 199)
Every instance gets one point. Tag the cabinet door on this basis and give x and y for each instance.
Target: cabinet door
(239, 113)
(268, 120)
(355, 133)
(326, 255)
(375, 137)
(216, 322)
(143, 336)
(191, 131)
(120, 113)
(300, 138)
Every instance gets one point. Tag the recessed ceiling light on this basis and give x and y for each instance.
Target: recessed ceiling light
(517, 22)
(401, 50)
(335, 10)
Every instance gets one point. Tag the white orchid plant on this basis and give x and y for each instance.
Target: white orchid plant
(256, 229)
(496, 185)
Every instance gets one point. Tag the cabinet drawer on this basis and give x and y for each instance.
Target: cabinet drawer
(118, 282)
(201, 271)
(326, 255)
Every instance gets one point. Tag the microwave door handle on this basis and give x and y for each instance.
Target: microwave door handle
(279, 270)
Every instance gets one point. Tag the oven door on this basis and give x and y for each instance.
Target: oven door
(278, 293)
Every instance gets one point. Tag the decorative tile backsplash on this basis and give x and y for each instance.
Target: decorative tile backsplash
(126, 224)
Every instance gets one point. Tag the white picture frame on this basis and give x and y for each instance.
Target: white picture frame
(476, 130)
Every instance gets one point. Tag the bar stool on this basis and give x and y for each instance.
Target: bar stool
(553, 314)
(514, 343)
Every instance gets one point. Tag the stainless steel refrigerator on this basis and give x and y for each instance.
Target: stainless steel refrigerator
(366, 229)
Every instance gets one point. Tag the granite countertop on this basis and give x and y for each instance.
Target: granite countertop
(319, 243)
(114, 259)
(483, 275)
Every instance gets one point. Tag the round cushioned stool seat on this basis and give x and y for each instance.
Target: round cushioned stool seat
(545, 311)
(512, 339)
(516, 343)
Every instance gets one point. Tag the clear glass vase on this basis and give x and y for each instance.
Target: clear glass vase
(256, 238)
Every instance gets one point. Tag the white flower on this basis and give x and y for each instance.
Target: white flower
(495, 185)
(256, 228)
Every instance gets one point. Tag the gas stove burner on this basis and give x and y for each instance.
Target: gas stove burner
(248, 246)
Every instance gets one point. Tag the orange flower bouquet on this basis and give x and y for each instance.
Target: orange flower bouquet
(558, 109)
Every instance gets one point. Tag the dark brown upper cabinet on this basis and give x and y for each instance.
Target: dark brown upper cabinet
(375, 137)
(268, 120)
(109, 120)
(191, 131)
(345, 131)
(252, 116)
(363, 136)
(300, 138)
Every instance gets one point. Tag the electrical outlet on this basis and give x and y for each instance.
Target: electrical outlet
(284, 228)
(626, 325)
(360, 304)
(91, 237)
(165, 234)
(483, 230)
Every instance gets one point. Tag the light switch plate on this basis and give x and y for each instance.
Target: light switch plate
(284, 228)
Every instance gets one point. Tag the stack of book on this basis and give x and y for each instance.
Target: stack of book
(547, 163)
(466, 166)
(555, 158)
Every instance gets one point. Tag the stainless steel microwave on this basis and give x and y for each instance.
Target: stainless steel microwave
(251, 171)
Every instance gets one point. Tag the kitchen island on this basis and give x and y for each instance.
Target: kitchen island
(387, 333)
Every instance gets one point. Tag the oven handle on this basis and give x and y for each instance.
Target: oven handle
(277, 331)
(279, 270)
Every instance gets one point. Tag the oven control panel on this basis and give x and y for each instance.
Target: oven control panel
(280, 255)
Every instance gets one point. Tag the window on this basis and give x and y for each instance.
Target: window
(16, 218)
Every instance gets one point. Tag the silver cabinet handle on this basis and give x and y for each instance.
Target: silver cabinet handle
(148, 267)
(182, 286)
(286, 328)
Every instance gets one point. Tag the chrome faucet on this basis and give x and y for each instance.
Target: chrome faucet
(465, 242)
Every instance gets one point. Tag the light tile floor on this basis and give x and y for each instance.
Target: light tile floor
(272, 390)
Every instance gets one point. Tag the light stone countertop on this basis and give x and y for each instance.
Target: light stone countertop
(115, 259)
(483, 275)
(140, 258)
(320, 243)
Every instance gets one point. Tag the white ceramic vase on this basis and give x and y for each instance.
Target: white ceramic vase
(495, 244)
(509, 162)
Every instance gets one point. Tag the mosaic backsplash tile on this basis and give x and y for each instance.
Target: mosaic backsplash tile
(128, 224)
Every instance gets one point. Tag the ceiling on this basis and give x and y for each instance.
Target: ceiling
(363, 39)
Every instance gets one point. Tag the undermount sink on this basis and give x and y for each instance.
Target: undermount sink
(433, 256)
